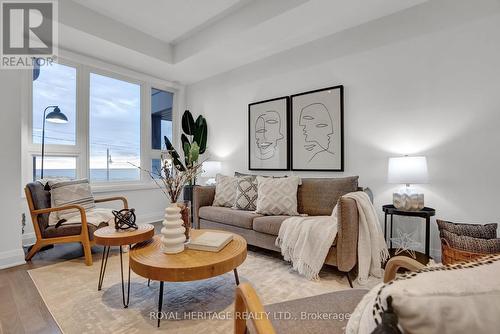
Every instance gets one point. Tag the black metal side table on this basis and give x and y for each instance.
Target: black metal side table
(425, 213)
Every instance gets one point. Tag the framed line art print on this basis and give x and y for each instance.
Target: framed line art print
(268, 140)
(317, 130)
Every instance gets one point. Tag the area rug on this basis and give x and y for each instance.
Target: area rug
(69, 290)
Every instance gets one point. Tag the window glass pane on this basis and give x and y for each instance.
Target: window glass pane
(54, 85)
(161, 117)
(54, 167)
(115, 129)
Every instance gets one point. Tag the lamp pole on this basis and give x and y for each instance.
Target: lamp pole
(43, 137)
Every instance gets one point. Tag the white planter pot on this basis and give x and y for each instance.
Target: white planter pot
(173, 237)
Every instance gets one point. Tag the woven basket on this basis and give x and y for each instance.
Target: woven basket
(451, 255)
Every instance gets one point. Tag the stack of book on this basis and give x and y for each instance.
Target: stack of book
(210, 241)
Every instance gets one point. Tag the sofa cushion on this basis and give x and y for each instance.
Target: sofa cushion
(318, 196)
(70, 229)
(246, 195)
(268, 224)
(277, 196)
(228, 216)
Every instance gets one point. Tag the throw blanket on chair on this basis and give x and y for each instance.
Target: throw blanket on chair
(305, 241)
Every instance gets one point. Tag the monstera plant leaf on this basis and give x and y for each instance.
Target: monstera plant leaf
(188, 124)
(175, 156)
(200, 134)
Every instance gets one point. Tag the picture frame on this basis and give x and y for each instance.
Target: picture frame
(317, 130)
(268, 134)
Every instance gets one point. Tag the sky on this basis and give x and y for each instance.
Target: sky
(114, 116)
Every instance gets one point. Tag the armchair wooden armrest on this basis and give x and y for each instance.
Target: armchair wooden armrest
(248, 301)
(392, 266)
(80, 208)
(110, 199)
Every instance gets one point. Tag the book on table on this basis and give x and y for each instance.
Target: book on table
(210, 241)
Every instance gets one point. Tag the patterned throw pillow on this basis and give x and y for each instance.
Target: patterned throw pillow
(488, 231)
(461, 298)
(470, 244)
(246, 195)
(277, 196)
(225, 190)
(71, 192)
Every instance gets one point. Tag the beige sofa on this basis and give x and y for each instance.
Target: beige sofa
(315, 197)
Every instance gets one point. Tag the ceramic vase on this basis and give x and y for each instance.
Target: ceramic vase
(173, 236)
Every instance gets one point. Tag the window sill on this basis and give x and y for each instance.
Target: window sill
(121, 186)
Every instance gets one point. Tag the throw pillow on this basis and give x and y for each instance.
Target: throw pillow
(277, 196)
(488, 231)
(225, 190)
(435, 300)
(470, 244)
(246, 195)
(70, 192)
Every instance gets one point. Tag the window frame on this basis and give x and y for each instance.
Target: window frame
(81, 150)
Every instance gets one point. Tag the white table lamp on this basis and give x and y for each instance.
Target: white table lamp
(408, 170)
(210, 170)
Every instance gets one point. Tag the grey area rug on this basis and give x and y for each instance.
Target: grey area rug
(69, 290)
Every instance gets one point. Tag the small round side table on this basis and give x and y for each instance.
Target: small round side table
(425, 213)
(108, 236)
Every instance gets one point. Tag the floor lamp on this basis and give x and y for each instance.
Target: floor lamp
(55, 116)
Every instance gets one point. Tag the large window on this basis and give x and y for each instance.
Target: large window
(54, 85)
(116, 123)
(115, 129)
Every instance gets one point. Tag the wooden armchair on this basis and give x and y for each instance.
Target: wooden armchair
(39, 205)
(247, 301)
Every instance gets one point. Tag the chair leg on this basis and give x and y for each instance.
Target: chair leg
(34, 249)
(87, 251)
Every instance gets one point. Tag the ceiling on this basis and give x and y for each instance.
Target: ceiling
(166, 20)
(190, 40)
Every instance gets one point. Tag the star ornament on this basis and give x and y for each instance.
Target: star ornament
(405, 243)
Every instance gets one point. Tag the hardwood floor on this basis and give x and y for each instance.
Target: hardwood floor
(22, 310)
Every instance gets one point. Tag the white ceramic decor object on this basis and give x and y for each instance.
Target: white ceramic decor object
(173, 236)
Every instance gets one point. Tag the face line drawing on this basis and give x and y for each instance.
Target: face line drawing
(317, 128)
(267, 134)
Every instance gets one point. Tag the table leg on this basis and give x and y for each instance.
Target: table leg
(149, 281)
(392, 217)
(427, 236)
(125, 303)
(236, 278)
(160, 303)
(104, 262)
(385, 226)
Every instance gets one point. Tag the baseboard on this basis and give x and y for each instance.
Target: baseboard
(12, 258)
(29, 239)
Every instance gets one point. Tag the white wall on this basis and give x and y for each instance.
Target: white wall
(423, 81)
(11, 252)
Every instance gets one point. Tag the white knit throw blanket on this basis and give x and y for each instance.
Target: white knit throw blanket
(372, 248)
(305, 241)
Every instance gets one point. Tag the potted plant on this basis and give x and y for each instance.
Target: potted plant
(194, 143)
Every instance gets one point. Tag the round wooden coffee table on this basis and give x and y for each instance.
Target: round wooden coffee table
(147, 260)
(108, 236)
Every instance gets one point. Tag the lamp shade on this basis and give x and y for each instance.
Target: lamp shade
(56, 116)
(407, 170)
(211, 168)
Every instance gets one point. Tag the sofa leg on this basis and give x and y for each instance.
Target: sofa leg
(349, 279)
